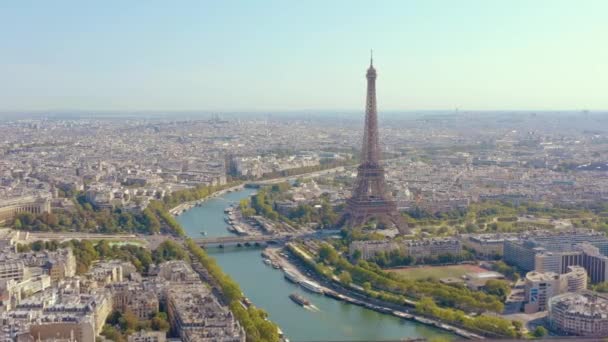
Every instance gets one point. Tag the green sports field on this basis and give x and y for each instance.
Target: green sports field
(437, 272)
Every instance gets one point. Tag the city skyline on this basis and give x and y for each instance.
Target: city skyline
(277, 57)
(228, 171)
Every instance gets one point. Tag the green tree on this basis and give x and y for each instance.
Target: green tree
(328, 254)
(471, 228)
(345, 278)
(499, 288)
(367, 286)
(426, 306)
(103, 248)
(505, 269)
(356, 255)
(113, 334)
(151, 221)
(518, 327)
(539, 332)
(128, 321)
(159, 322)
(169, 250)
(37, 246)
(601, 287)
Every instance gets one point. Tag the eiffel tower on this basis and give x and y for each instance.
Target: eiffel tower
(369, 199)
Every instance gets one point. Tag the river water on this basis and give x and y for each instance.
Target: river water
(330, 320)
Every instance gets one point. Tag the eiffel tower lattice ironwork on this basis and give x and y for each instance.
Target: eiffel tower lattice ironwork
(370, 199)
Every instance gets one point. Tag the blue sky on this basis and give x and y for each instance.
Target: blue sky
(299, 55)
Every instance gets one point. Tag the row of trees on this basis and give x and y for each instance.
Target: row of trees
(255, 321)
(482, 323)
(324, 165)
(87, 218)
(509, 271)
(194, 194)
(86, 252)
(160, 212)
(600, 287)
(445, 295)
(325, 215)
(390, 288)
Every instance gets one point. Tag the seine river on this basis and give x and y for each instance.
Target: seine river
(332, 320)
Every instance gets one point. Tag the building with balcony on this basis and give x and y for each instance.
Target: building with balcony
(12, 269)
(579, 314)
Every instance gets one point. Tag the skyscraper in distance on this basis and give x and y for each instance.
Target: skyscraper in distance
(370, 200)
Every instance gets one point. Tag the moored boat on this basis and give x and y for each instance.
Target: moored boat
(311, 286)
(292, 277)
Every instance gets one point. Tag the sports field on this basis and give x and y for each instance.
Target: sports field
(437, 272)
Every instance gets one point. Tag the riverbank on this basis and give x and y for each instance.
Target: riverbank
(252, 319)
(176, 211)
(330, 289)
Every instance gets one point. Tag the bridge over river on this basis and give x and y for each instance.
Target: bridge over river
(248, 240)
(259, 240)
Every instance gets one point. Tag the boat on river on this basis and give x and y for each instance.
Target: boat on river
(311, 286)
(267, 261)
(299, 299)
(292, 277)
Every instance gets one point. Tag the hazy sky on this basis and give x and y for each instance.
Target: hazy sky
(293, 55)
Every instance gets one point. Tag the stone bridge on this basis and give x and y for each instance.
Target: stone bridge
(261, 240)
(239, 241)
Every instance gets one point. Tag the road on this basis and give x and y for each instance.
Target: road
(150, 241)
(303, 175)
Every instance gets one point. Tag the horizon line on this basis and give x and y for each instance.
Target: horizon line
(285, 111)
